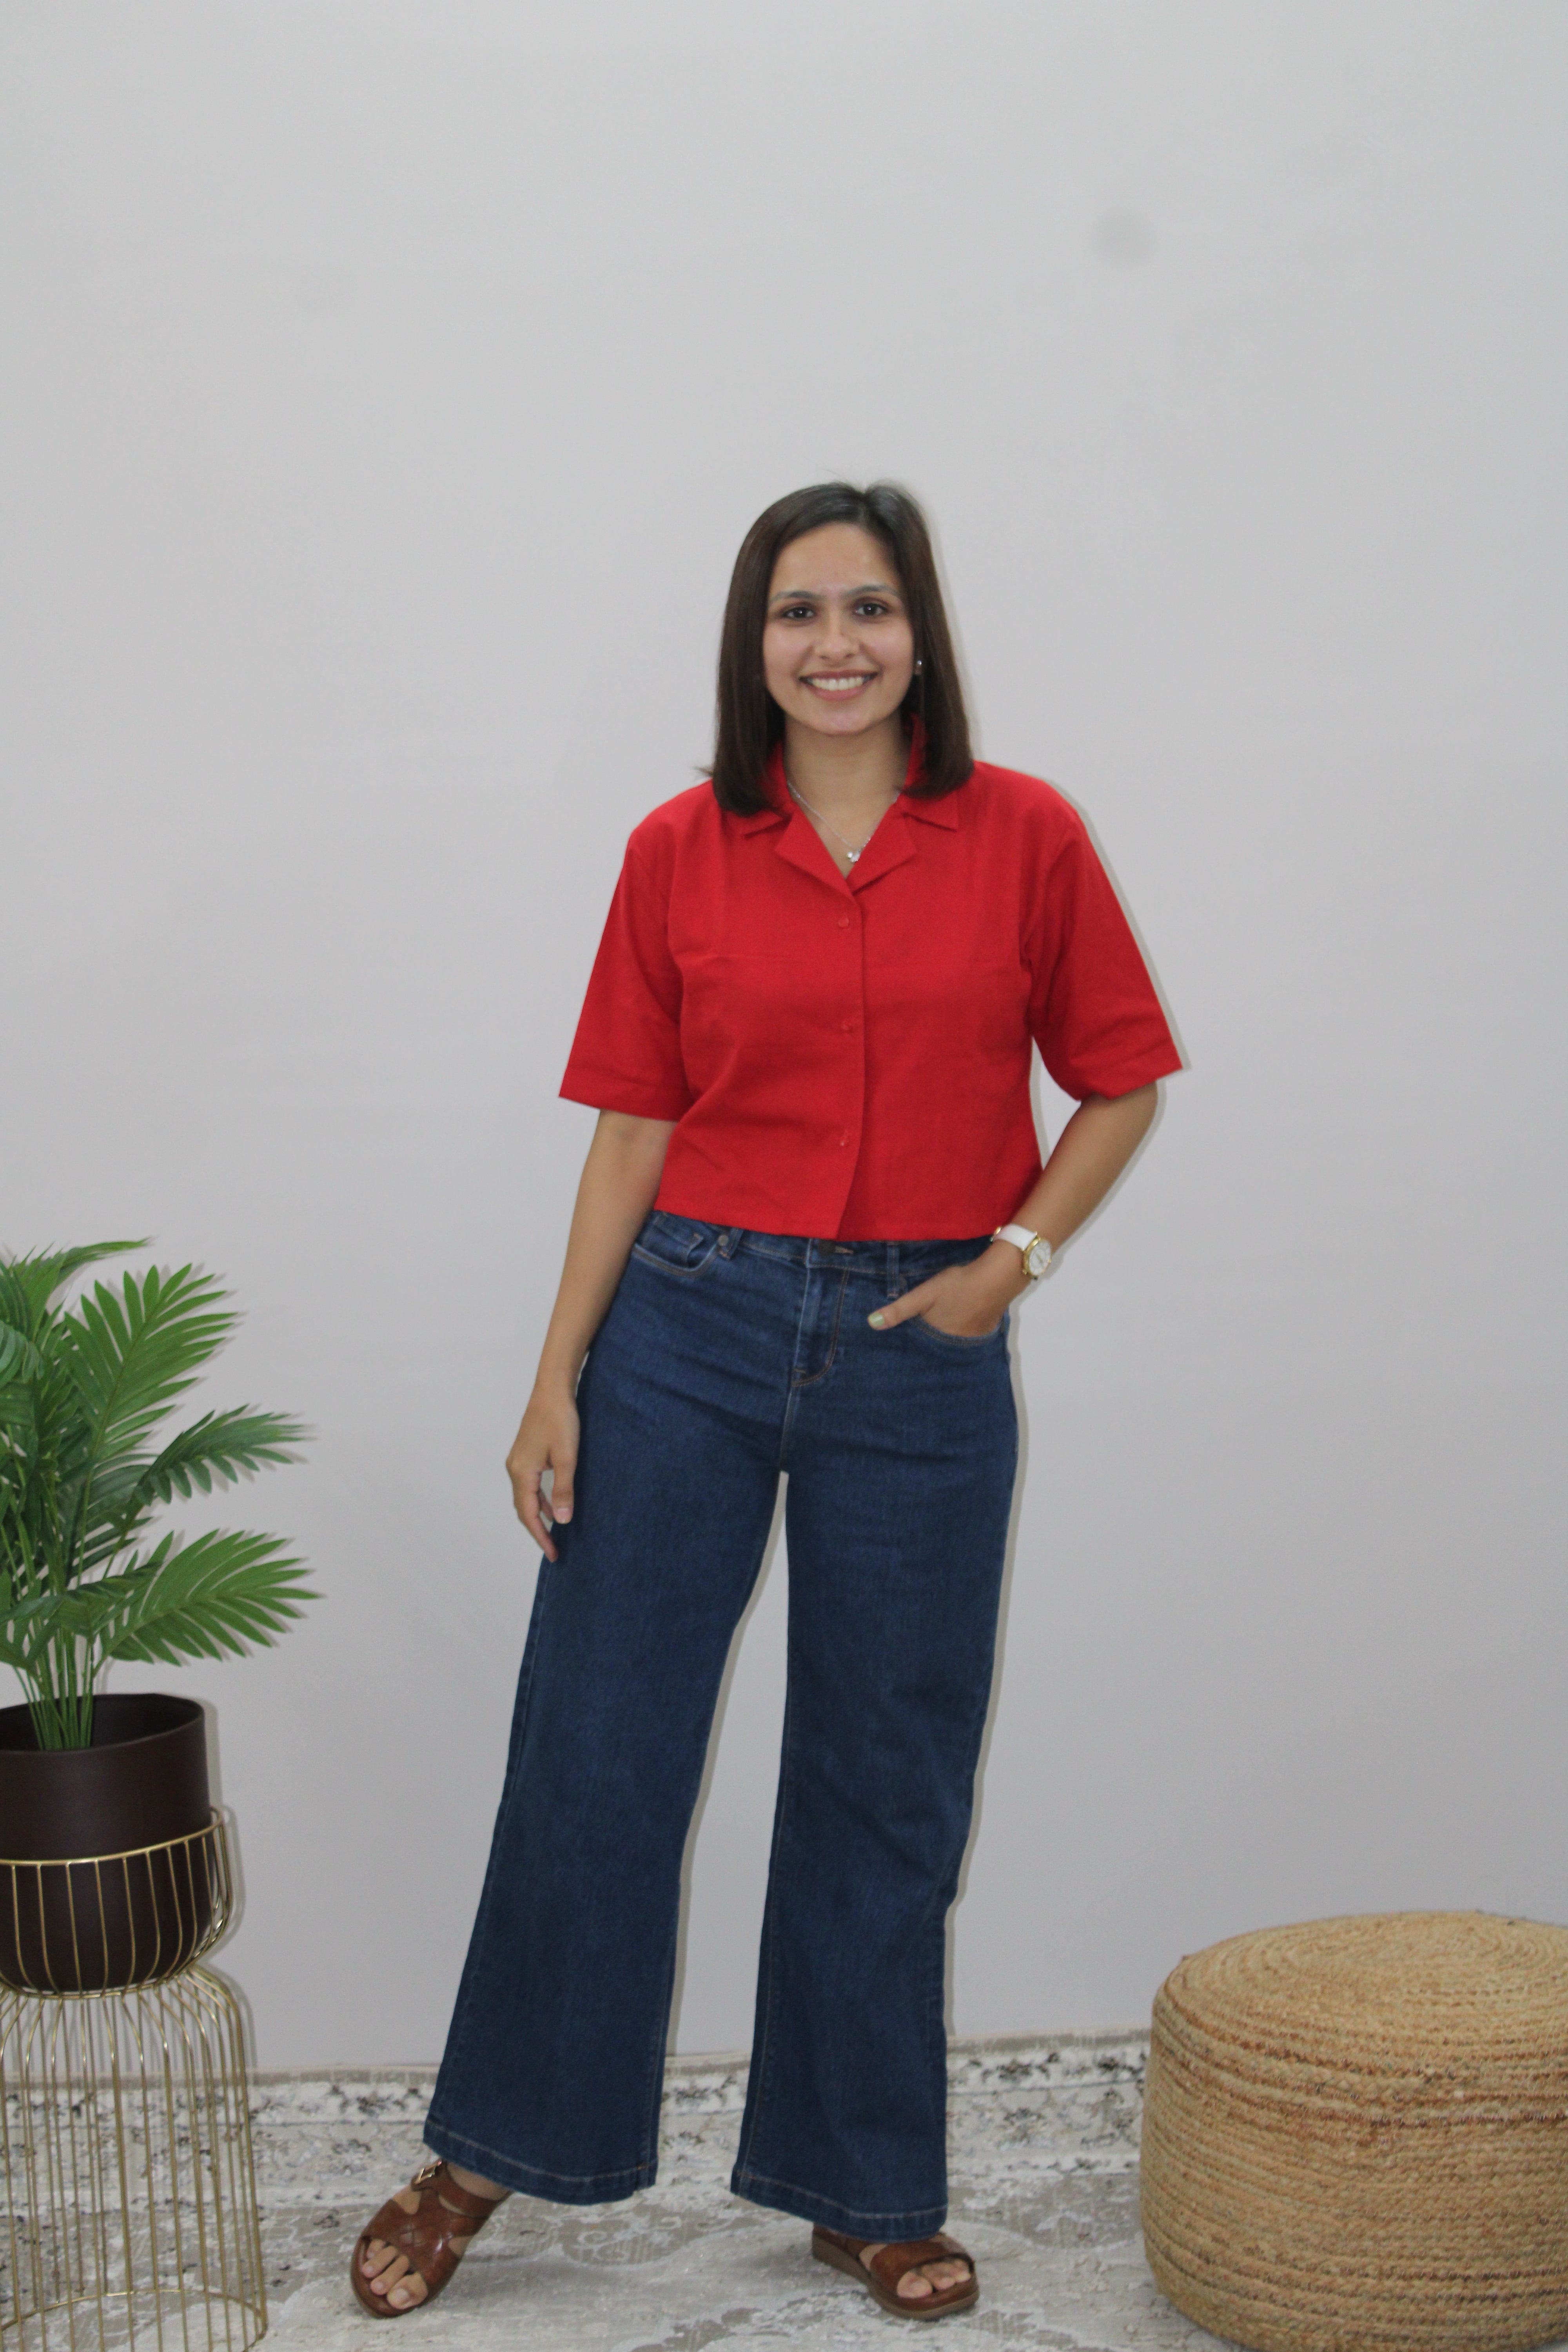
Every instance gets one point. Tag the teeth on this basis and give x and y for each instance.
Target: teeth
(836, 685)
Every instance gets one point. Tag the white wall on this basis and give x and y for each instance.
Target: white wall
(387, 387)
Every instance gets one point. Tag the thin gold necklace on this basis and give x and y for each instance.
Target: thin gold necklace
(850, 852)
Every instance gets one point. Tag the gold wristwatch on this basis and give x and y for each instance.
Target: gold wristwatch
(1036, 1250)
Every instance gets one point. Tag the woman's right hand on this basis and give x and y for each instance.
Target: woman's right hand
(546, 1439)
(619, 1184)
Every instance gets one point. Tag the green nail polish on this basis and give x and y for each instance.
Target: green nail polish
(877, 1321)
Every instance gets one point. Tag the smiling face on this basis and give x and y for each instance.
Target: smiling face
(837, 649)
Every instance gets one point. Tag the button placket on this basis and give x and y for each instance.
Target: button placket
(847, 1024)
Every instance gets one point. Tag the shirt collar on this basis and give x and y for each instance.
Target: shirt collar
(943, 812)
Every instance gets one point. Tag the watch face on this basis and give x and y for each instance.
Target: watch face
(1036, 1259)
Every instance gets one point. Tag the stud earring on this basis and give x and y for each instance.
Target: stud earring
(919, 667)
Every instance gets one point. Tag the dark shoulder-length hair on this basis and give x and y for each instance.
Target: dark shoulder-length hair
(750, 722)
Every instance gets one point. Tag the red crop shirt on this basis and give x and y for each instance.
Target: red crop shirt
(849, 1058)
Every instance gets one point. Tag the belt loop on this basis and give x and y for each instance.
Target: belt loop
(892, 1269)
(729, 1240)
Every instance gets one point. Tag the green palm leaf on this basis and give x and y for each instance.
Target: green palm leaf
(15, 1412)
(218, 1448)
(19, 1359)
(66, 1612)
(219, 1445)
(27, 1284)
(131, 1356)
(206, 1599)
(14, 1652)
(19, 1563)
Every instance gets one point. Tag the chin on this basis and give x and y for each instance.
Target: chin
(828, 721)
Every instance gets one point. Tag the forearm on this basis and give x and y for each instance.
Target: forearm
(1090, 1153)
(1092, 1149)
(618, 1185)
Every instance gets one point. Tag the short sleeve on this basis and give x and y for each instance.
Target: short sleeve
(627, 1052)
(1093, 1010)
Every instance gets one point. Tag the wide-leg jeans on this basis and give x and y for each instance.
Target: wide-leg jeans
(727, 1358)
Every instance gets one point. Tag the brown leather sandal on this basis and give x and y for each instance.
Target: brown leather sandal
(435, 2237)
(889, 2264)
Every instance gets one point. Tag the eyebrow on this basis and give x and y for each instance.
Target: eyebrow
(794, 595)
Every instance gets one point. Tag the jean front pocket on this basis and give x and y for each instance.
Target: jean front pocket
(679, 1246)
(962, 1342)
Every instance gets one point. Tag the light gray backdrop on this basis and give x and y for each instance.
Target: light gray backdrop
(387, 389)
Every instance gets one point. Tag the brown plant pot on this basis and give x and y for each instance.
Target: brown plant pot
(105, 1875)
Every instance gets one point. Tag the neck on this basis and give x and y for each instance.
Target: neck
(845, 775)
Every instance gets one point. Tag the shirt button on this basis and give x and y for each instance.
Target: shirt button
(843, 922)
(842, 1141)
(847, 1025)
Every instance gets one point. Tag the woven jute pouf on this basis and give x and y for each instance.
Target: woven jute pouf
(1355, 2136)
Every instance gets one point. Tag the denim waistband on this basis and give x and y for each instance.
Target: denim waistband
(882, 1261)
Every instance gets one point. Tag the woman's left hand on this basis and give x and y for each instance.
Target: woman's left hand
(964, 1301)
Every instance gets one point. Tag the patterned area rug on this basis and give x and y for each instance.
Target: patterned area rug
(1044, 2147)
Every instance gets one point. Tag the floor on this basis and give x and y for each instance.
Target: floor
(1044, 2184)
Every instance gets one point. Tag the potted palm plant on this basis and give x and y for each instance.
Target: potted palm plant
(85, 1386)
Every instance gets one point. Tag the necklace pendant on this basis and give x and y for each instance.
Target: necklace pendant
(853, 856)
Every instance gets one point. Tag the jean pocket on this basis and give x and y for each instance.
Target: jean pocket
(677, 1244)
(962, 1342)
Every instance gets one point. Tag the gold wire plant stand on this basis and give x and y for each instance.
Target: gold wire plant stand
(131, 2212)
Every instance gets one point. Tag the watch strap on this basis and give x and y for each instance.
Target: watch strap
(1027, 1244)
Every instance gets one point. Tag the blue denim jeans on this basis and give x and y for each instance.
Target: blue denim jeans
(726, 1357)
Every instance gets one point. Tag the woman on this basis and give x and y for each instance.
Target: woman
(814, 1193)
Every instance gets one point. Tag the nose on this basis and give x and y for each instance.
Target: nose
(835, 641)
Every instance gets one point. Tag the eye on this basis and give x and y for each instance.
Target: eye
(871, 610)
(795, 612)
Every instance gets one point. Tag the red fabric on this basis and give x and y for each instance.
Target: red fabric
(850, 1058)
